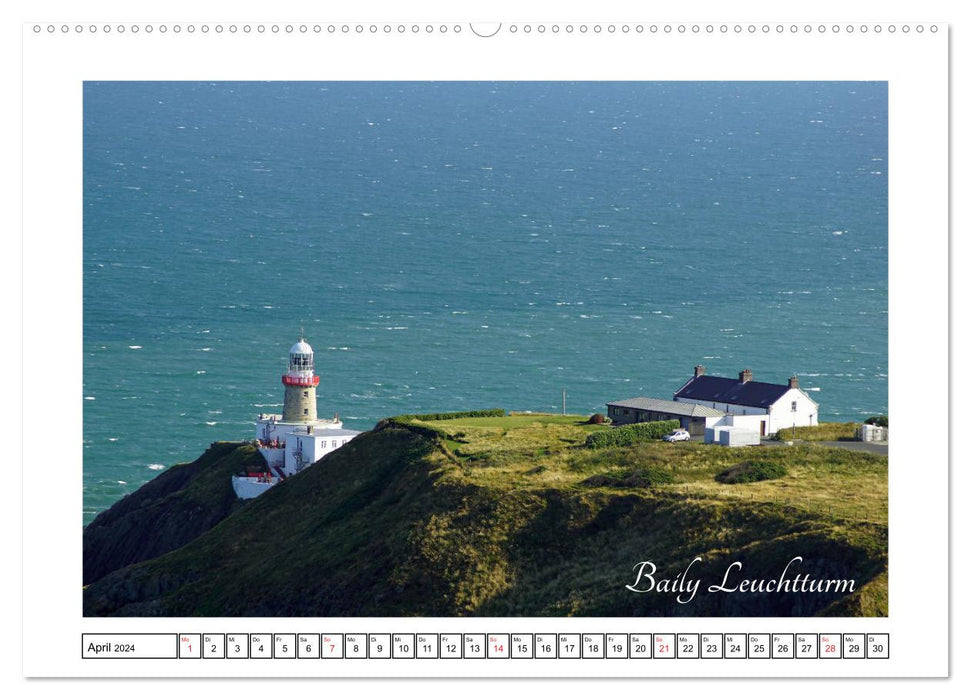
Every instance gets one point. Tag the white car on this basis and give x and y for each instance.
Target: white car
(677, 436)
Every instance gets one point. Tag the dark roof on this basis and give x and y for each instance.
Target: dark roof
(726, 390)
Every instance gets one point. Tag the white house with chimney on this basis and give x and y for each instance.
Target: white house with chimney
(724, 410)
(777, 406)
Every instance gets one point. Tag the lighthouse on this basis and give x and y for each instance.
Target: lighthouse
(296, 439)
(300, 385)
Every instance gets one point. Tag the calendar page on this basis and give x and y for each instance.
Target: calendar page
(424, 346)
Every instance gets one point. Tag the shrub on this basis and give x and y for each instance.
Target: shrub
(631, 434)
(879, 421)
(747, 472)
(597, 419)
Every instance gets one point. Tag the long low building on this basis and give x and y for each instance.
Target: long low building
(693, 417)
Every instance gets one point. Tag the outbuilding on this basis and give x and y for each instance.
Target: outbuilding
(693, 417)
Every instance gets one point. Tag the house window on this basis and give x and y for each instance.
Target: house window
(625, 412)
(306, 394)
(794, 406)
(333, 443)
(306, 411)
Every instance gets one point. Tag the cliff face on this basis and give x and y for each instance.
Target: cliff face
(168, 512)
(395, 524)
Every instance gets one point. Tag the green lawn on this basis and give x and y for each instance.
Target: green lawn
(543, 451)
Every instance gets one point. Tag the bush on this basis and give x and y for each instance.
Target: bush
(879, 421)
(747, 472)
(631, 434)
(597, 419)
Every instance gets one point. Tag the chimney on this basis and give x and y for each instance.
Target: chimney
(793, 382)
(745, 376)
(699, 370)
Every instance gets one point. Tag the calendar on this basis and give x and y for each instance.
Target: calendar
(526, 646)
(673, 254)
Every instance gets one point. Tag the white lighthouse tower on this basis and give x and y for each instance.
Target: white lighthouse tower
(296, 439)
(300, 382)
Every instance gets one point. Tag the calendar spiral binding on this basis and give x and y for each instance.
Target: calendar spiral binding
(488, 30)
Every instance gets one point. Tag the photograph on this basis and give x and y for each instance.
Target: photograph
(513, 349)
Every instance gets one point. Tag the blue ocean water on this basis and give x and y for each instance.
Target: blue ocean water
(447, 246)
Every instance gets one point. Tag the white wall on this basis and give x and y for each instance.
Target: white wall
(726, 407)
(781, 415)
(273, 456)
(303, 449)
(268, 430)
(749, 424)
(737, 437)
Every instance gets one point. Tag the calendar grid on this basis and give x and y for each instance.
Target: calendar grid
(493, 646)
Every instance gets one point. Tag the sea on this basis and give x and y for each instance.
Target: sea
(463, 245)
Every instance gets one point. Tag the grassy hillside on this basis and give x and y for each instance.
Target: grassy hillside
(172, 509)
(513, 516)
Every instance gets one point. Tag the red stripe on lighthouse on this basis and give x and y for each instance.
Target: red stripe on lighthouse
(299, 381)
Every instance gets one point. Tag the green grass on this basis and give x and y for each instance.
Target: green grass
(517, 420)
(637, 477)
(824, 432)
(547, 452)
(749, 472)
(169, 511)
(513, 516)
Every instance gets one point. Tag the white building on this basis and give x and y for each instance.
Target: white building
(723, 410)
(774, 406)
(296, 438)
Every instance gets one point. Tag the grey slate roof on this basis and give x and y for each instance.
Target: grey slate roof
(726, 390)
(676, 408)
